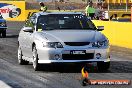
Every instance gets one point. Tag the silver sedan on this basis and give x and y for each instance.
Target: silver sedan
(62, 37)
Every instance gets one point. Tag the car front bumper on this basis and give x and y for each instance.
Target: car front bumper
(48, 55)
(1, 27)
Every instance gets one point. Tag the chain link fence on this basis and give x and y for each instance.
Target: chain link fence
(55, 5)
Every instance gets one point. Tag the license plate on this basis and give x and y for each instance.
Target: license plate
(78, 52)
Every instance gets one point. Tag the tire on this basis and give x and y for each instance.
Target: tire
(103, 66)
(36, 65)
(20, 60)
(84, 82)
(3, 33)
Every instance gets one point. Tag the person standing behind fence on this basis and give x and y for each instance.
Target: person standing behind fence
(90, 10)
(43, 7)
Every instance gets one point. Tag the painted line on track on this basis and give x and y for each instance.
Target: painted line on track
(4, 85)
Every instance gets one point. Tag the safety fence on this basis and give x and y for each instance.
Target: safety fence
(118, 33)
(16, 10)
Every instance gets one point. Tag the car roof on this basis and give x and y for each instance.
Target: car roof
(47, 13)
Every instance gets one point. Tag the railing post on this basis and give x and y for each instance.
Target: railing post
(131, 13)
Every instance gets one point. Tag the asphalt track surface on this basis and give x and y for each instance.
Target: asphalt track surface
(56, 76)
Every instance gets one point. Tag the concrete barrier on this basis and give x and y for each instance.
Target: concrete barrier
(119, 33)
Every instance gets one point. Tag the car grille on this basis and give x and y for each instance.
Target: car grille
(77, 43)
(78, 56)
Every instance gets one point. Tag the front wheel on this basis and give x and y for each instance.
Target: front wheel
(20, 60)
(4, 34)
(35, 59)
(103, 66)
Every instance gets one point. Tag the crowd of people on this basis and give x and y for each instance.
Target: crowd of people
(94, 11)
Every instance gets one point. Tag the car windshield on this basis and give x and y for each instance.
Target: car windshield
(65, 21)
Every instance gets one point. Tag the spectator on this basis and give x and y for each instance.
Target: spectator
(43, 7)
(90, 10)
(58, 8)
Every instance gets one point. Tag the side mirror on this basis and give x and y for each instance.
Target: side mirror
(100, 28)
(27, 29)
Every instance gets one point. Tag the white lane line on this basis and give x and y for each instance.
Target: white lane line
(4, 85)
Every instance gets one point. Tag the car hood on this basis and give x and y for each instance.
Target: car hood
(73, 36)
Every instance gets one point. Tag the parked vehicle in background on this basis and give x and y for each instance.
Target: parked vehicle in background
(3, 26)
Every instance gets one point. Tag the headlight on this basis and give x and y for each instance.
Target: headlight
(3, 24)
(100, 43)
(53, 45)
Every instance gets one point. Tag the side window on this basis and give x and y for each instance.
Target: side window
(27, 23)
(31, 22)
(30, 14)
(33, 19)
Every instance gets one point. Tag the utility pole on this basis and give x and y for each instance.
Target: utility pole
(108, 5)
(109, 9)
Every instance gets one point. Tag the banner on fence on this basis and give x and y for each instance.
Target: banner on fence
(13, 10)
